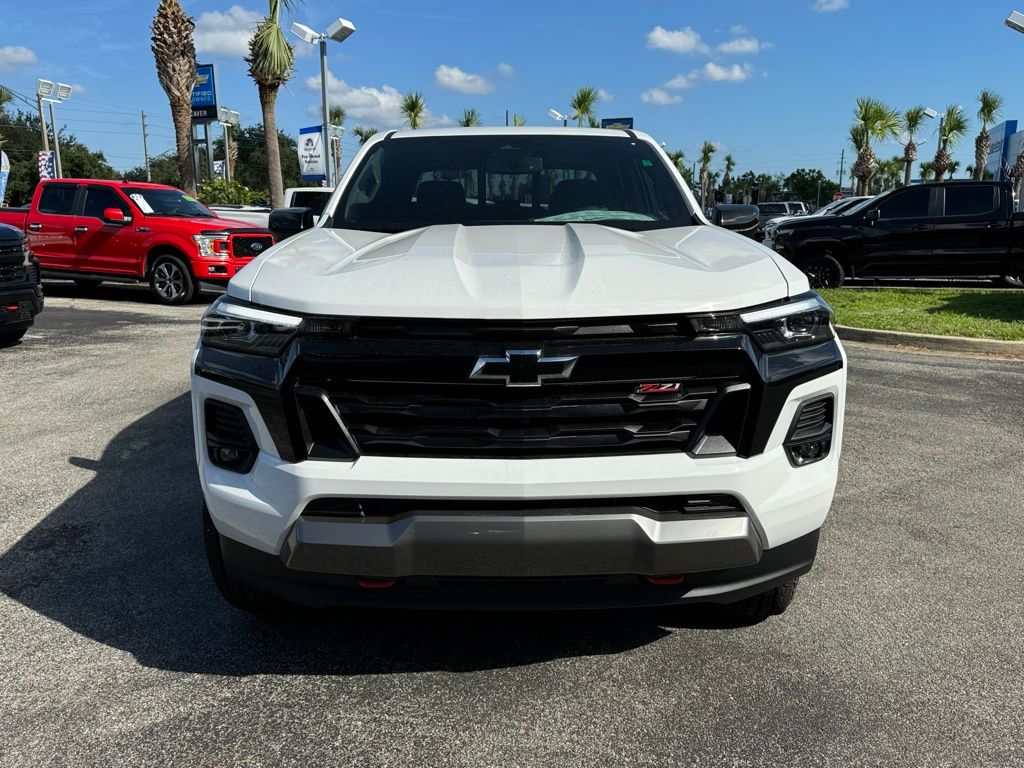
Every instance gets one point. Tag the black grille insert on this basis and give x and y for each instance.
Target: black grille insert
(13, 273)
(249, 246)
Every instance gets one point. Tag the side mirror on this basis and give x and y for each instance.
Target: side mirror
(285, 222)
(738, 218)
(873, 215)
(116, 216)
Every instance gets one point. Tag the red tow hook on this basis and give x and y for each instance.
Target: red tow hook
(367, 583)
(666, 580)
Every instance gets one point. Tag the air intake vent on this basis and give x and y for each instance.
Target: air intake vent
(810, 437)
(229, 441)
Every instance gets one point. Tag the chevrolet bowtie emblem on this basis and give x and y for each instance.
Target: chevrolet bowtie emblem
(523, 368)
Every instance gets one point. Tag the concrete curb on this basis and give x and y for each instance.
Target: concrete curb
(961, 344)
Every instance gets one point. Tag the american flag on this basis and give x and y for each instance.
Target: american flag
(47, 170)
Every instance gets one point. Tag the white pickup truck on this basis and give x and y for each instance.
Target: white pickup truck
(314, 198)
(516, 367)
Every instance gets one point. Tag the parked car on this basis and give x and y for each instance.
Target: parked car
(21, 297)
(834, 208)
(771, 210)
(948, 229)
(314, 198)
(92, 230)
(516, 366)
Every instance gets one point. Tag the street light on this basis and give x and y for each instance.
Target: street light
(556, 115)
(1015, 21)
(54, 93)
(339, 30)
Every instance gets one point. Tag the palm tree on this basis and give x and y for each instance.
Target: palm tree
(953, 168)
(953, 126)
(677, 156)
(927, 170)
(910, 123)
(583, 103)
(873, 119)
(175, 55)
(730, 166)
(270, 61)
(363, 133)
(707, 151)
(518, 120)
(336, 117)
(990, 104)
(1017, 174)
(470, 118)
(413, 106)
(593, 122)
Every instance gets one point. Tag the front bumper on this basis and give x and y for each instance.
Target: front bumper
(19, 306)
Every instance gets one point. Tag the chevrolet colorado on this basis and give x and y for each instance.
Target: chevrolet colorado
(91, 230)
(21, 297)
(516, 368)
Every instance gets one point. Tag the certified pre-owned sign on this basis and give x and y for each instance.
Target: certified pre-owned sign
(204, 94)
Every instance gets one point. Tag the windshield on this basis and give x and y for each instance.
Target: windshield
(414, 182)
(864, 203)
(168, 202)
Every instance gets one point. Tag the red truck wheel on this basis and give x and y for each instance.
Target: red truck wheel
(170, 281)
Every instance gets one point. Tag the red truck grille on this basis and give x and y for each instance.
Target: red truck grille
(250, 246)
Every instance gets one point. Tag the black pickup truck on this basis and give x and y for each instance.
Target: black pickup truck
(946, 229)
(21, 297)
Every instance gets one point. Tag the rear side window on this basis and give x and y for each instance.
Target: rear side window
(57, 199)
(970, 200)
(98, 199)
(907, 204)
(772, 208)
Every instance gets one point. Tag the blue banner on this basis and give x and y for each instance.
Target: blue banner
(5, 172)
(204, 94)
(311, 154)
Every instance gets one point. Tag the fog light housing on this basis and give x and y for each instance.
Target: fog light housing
(810, 436)
(229, 440)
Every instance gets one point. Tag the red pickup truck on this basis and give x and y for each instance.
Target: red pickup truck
(90, 230)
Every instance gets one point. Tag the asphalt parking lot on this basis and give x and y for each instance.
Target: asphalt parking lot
(903, 646)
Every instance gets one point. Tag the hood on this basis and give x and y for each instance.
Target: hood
(515, 272)
(216, 224)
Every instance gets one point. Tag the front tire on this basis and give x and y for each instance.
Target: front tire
(824, 271)
(238, 595)
(170, 281)
(757, 608)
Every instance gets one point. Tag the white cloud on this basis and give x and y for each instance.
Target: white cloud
(827, 6)
(379, 107)
(13, 57)
(741, 46)
(76, 88)
(454, 79)
(506, 70)
(738, 29)
(685, 40)
(659, 97)
(680, 81)
(737, 73)
(604, 95)
(227, 33)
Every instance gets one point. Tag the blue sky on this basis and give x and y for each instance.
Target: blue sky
(771, 82)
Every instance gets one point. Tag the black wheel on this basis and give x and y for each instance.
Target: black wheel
(84, 284)
(759, 607)
(238, 595)
(171, 281)
(11, 337)
(823, 272)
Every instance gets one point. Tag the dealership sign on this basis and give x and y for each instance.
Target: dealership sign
(619, 123)
(5, 172)
(311, 154)
(204, 94)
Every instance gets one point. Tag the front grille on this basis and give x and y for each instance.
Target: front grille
(249, 246)
(13, 273)
(656, 507)
(407, 397)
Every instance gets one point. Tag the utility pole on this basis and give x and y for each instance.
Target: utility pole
(145, 148)
(42, 124)
(56, 143)
(842, 168)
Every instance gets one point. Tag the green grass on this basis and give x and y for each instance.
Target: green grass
(940, 311)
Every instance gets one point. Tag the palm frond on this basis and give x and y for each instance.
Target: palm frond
(470, 118)
(990, 104)
(583, 103)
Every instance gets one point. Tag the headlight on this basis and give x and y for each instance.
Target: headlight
(784, 232)
(239, 328)
(807, 320)
(213, 243)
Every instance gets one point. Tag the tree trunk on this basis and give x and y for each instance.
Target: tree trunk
(909, 155)
(268, 100)
(181, 114)
(981, 147)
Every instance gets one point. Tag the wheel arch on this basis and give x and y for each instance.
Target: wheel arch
(833, 248)
(165, 249)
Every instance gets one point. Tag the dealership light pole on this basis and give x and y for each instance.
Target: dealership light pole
(1015, 21)
(228, 119)
(53, 93)
(556, 115)
(339, 30)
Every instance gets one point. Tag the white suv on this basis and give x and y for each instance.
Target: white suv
(516, 368)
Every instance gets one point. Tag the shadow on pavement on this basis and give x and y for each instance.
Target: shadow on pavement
(138, 293)
(121, 562)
